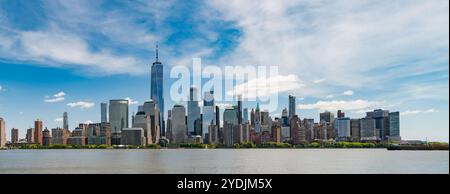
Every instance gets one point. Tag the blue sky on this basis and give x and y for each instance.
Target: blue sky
(350, 54)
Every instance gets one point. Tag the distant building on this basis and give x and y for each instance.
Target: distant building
(30, 135)
(276, 132)
(118, 118)
(368, 129)
(394, 126)
(133, 136)
(327, 117)
(78, 136)
(342, 126)
(2, 133)
(245, 114)
(141, 120)
(208, 112)
(245, 132)
(309, 129)
(230, 124)
(213, 133)
(46, 137)
(14, 135)
(193, 111)
(157, 94)
(179, 129)
(381, 122)
(298, 135)
(291, 106)
(104, 112)
(355, 128)
(152, 110)
(38, 132)
(65, 120)
(60, 136)
(257, 119)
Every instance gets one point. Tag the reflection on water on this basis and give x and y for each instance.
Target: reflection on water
(224, 161)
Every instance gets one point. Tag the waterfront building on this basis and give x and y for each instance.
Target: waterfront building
(30, 135)
(46, 137)
(291, 106)
(285, 133)
(38, 132)
(193, 112)
(141, 120)
(276, 131)
(213, 133)
(78, 136)
(245, 113)
(151, 109)
(245, 132)
(156, 91)
(105, 133)
(239, 109)
(2, 132)
(309, 129)
(169, 126)
(342, 126)
(394, 126)
(285, 117)
(65, 120)
(118, 118)
(355, 127)
(104, 112)
(133, 136)
(230, 124)
(179, 129)
(327, 117)
(208, 116)
(14, 135)
(93, 134)
(252, 118)
(297, 130)
(320, 131)
(257, 119)
(368, 129)
(60, 136)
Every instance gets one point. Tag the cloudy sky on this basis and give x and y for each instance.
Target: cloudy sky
(354, 55)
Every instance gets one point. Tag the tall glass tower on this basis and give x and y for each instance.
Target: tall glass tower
(156, 91)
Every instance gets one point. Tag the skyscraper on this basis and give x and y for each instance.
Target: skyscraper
(208, 112)
(156, 91)
(193, 111)
(291, 106)
(178, 126)
(65, 121)
(141, 120)
(104, 112)
(2, 133)
(355, 129)
(118, 118)
(38, 132)
(230, 125)
(381, 122)
(30, 135)
(151, 109)
(327, 117)
(239, 109)
(257, 119)
(342, 125)
(394, 126)
(245, 114)
(46, 137)
(14, 135)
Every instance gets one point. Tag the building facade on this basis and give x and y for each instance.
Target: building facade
(118, 118)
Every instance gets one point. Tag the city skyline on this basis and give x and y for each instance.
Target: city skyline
(108, 63)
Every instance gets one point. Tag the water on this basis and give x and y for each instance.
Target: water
(187, 161)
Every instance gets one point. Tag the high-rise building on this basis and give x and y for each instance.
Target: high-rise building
(298, 135)
(291, 106)
(156, 91)
(179, 129)
(327, 117)
(30, 135)
(239, 109)
(381, 122)
(151, 109)
(230, 124)
(208, 117)
(14, 135)
(213, 133)
(257, 119)
(369, 132)
(342, 127)
(193, 111)
(355, 128)
(276, 131)
(245, 113)
(2, 133)
(46, 137)
(394, 126)
(118, 118)
(141, 120)
(65, 121)
(309, 129)
(60, 136)
(38, 132)
(132, 136)
(104, 112)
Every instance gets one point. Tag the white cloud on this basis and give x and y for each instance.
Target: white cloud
(88, 122)
(59, 119)
(317, 81)
(2, 89)
(131, 101)
(81, 104)
(341, 105)
(58, 97)
(329, 96)
(263, 87)
(348, 93)
(413, 112)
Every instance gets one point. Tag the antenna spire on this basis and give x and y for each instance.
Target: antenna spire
(156, 51)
